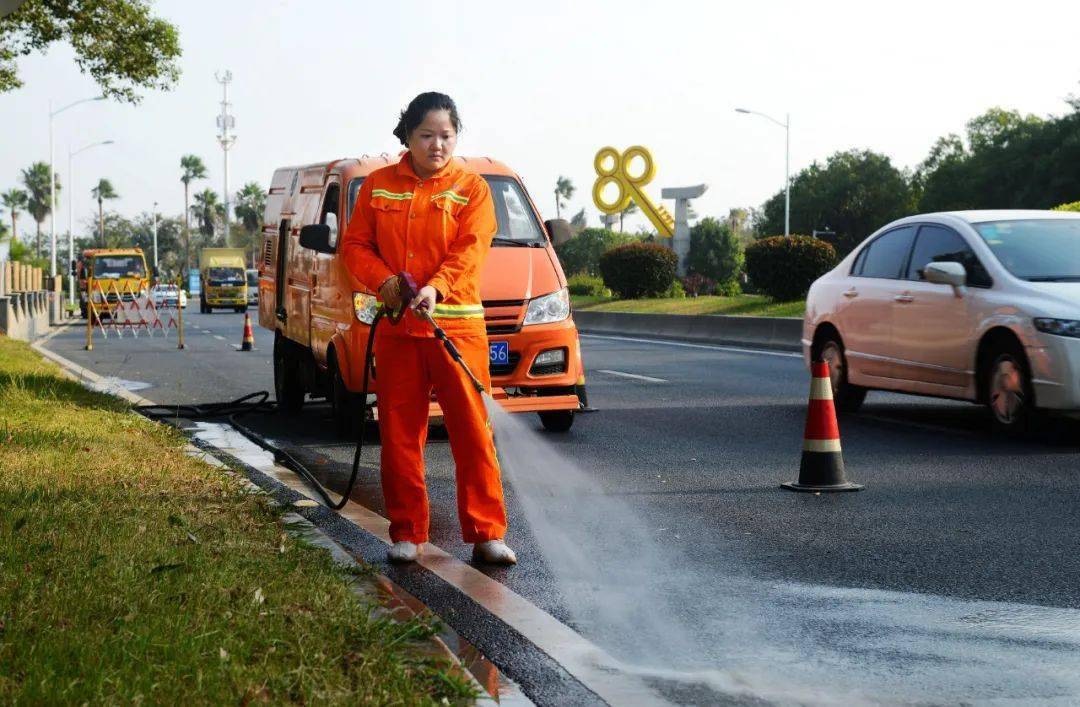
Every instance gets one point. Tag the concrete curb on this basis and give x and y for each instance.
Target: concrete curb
(781, 333)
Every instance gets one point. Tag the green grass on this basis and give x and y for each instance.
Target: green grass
(132, 573)
(746, 305)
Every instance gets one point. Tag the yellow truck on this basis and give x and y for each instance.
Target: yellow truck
(223, 279)
(107, 275)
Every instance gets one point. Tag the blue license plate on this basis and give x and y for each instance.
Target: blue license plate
(499, 352)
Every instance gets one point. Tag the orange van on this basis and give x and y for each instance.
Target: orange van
(321, 315)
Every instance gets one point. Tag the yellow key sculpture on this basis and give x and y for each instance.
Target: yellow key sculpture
(614, 168)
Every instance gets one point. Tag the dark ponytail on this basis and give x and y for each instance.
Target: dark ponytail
(418, 109)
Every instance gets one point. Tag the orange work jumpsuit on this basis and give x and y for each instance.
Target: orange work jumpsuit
(438, 229)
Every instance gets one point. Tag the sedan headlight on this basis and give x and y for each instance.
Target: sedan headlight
(365, 307)
(549, 308)
(1061, 327)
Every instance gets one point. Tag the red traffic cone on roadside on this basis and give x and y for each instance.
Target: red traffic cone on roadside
(248, 343)
(822, 466)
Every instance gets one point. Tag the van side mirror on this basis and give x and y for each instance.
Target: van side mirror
(947, 273)
(558, 230)
(316, 236)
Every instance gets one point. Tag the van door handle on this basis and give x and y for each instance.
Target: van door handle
(851, 293)
(903, 299)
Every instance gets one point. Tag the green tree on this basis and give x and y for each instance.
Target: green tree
(36, 180)
(207, 208)
(102, 190)
(715, 251)
(250, 206)
(118, 42)
(853, 193)
(191, 168)
(581, 254)
(14, 200)
(564, 191)
(630, 210)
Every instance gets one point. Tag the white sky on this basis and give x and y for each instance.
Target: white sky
(542, 86)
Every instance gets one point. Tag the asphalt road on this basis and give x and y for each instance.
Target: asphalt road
(953, 577)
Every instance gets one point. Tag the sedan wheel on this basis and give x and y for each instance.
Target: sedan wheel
(1009, 394)
(847, 397)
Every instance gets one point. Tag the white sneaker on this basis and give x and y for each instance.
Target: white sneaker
(403, 551)
(494, 552)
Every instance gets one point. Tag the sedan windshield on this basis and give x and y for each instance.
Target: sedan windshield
(1037, 250)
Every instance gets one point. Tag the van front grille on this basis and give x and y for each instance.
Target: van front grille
(503, 316)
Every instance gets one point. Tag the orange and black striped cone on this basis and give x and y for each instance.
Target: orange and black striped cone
(822, 466)
(248, 343)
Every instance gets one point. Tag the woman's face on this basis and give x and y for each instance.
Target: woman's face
(432, 143)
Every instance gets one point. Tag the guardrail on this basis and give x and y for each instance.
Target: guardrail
(781, 333)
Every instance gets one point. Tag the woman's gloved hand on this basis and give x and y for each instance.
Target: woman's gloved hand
(390, 293)
(425, 299)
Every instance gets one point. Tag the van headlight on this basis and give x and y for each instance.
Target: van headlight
(1060, 327)
(365, 307)
(549, 308)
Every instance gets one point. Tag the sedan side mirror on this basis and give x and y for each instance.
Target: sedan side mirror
(558, 230)
(316, 236)
(947, 273)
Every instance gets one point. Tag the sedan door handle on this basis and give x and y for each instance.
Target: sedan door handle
(851, 293)
(903, 298)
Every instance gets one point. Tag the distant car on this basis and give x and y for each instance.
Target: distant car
(253, 286)
(168, 296)
(973, 305)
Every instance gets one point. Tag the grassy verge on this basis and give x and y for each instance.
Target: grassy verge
(746, 305)
(130, 572)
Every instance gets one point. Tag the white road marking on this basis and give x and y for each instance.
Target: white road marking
(682, 344)
(205, 331)
(219, 338)
(648, 379)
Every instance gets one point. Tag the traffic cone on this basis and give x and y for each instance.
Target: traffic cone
(822, 466)
(249, 336)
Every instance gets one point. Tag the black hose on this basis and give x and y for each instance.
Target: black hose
(259, 402)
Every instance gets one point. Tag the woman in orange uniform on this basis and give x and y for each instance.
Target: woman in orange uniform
(428, 217)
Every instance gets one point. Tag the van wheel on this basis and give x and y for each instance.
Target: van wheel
(847, 397)
(343, 404)
(239, 309)
(1009, 394)
(82, 310)
(288, 388)
(557, 420)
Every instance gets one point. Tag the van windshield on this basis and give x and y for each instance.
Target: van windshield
(219, 277)
(517, 222)
(117, 266)
(1037, 250)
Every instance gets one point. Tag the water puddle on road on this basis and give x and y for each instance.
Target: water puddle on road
(710, 635)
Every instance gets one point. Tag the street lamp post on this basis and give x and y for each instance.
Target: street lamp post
(786, 125)
(52, 179)
(71, 225)
(155, 241)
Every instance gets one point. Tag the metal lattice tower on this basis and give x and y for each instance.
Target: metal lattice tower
(226, 122)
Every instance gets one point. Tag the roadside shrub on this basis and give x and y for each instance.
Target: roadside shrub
(715, 251)
(587, 285)
(676, 291)
(695, 285)
(582, 252)
(731, 288)
(1074, 206)
(638, 270)
(784, 267)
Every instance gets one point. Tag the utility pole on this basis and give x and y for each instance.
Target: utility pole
(155, 242)
(225, 123)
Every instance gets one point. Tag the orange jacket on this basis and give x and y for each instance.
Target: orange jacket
(438, 229)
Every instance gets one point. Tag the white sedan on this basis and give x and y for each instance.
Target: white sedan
(168, 296)
(973, 305)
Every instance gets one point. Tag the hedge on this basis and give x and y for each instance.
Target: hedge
(784, 267)
(582, 252)
(639, 270)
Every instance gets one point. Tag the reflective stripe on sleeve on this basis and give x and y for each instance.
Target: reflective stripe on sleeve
(458, 311)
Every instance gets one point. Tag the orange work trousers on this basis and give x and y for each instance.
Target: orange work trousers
(408, 368)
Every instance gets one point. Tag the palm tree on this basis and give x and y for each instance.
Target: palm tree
(103, 190)
(191, 167)
(36, 180)
(564, 190)
(207, 208)
(14, 200)
(250, 205)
